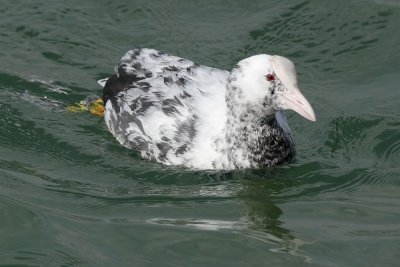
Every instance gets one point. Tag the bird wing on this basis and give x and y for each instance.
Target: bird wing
(154, 102)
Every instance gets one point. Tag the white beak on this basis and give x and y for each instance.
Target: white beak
(294, 100)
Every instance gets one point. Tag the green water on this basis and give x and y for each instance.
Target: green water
(70, 195)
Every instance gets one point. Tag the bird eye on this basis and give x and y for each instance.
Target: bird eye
(270, 77)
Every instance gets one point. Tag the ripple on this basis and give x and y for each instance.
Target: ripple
(351, 133)
(50, 85)
(388, 142)
(290, 246)
(364, 139)
(359, 152)
(388, 2)
(200, 224)
(309, 32)
(44, 102)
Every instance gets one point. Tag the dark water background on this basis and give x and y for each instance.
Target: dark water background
(71, 196)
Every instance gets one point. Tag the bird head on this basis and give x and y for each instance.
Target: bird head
(270, 82)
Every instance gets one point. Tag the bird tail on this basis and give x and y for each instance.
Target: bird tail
(102, 82)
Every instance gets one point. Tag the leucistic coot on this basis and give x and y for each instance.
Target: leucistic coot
(177, 112)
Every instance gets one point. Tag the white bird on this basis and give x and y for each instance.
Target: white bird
(177, 112)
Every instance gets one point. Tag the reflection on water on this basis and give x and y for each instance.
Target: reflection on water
(201, 224)
(262, 217)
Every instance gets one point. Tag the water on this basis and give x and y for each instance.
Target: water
(70, 195)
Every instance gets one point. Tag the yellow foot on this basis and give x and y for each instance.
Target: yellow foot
(94, 106)
(97, 107)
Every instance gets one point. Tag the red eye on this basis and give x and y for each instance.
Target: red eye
(270, 77)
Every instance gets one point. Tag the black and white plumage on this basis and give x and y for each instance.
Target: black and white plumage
(177, 112)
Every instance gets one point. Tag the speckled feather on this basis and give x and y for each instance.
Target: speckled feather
(177, 112)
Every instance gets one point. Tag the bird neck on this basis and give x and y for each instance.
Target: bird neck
(254, 136)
